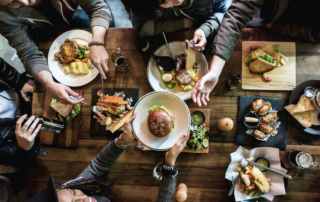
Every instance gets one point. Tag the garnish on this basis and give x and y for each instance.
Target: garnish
(267, 58)
(268, 79)
(169, 85)
(250, 59)
(276, 49)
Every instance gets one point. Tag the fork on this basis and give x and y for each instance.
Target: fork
(244, 164)
(93, 108)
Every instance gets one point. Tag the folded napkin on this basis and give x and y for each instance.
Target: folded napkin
(272, 154)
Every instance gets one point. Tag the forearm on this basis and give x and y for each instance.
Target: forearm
(98, 33)
(45, 78)
(216, 66)
(103, 161)
(166, 190)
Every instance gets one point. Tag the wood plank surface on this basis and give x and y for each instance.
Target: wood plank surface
(283, 78)
(207, 123)
(203, 173)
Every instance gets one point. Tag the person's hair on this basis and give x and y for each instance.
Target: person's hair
(143, 9)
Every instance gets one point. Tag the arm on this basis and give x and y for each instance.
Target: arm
(211, 25)
(235, 19)
(110, 153)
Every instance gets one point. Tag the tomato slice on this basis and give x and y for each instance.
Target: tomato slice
(114, 107)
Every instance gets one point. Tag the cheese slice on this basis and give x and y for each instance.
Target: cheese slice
(191, 58)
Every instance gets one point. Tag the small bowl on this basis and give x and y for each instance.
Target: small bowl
(248, 124)
(261, 164)
(201, 114)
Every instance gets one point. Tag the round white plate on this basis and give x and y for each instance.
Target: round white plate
(177, 107)
(79, 36)
(177, 47)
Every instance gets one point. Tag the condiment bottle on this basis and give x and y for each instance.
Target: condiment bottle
(181, 194)
(119, 60)
(51, 125)
(233, 81)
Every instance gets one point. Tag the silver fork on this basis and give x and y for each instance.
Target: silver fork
(102, 91)
(93, 108)
(244, 164)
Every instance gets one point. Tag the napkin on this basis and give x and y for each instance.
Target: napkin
(272, 154)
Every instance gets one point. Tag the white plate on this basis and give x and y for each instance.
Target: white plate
(177, 107)
(79, 36)
(177, 47)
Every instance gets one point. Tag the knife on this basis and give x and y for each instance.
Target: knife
(266, 168)
(164, 36)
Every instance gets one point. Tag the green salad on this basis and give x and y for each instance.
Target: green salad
(74, 112)
(198, 137)
(267, 58)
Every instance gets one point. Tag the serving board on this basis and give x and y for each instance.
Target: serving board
(283, 78)
(207, 122)
(96, 129)
(69, 137)
(277, 141)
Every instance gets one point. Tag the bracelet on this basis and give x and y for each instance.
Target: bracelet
(126, 144)
(96, 43)
(170, 171)
(122, 147)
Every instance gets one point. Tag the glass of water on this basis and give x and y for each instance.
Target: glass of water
(119, 60)
(302, 159)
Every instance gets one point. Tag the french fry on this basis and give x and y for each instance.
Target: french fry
(250, 159)
(252, 192)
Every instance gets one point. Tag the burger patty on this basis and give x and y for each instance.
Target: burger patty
(159, 123)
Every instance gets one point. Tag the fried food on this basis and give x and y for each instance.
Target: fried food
(257, 104)
(246, 180)
(259, 134)
(304, 118)
(304, 104)
(260, 180)
(265, 128)
(264, 109)
(68, 52)
(269, 118)
(119, 123)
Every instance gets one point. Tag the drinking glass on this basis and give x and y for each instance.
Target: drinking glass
(302, 159)
(119, 60)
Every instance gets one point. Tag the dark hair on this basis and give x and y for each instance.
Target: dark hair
(144, 9)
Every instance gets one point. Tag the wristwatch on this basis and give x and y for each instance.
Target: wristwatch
(170, 171)
(97, 43)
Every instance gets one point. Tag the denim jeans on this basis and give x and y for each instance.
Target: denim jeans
(80, 19)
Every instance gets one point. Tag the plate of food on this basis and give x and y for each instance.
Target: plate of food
(303, 110)
(191, 66)
(117, 105)
(268, 65)
(162, 117)
(262, 122)
(69, 59)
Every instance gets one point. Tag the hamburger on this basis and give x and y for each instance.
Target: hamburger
(65, 110)
(160, 121)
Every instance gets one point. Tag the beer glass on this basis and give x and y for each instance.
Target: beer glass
(302, 159)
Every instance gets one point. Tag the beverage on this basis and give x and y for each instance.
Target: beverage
(119, 60)
(233, 81)
(142, 43)
(302, 159)
(51, 125)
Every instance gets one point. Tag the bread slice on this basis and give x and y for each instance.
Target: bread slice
(260, 66)
(305, 104)
(62, 109)
(260, 180)
(304, 118)
(255, 53)
(190, 58)
(114, 127)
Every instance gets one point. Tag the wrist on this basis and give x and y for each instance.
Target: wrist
(169, 159)
(45, 78)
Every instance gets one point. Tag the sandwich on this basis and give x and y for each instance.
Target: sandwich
(160, 121)
(304, 104)
(259, 61)
(112, 104)
(65, 110)
(304, 118)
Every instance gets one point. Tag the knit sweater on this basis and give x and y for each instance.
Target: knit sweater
(104, 161)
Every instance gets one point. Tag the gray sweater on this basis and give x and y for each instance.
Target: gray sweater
(107, 157)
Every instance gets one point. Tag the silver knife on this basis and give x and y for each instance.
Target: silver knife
(266, 168)
(164, 36)
(102, 90)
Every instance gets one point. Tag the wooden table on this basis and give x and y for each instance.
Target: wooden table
(204, 174)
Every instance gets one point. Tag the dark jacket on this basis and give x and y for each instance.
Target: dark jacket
(208, 13)
(10, 153)
(295, 18)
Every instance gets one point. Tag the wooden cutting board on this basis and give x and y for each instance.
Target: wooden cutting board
(207, 121)
(284, 78)
(69, 137)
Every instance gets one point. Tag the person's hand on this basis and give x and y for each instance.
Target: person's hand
(62, 93)
(127, 135)
(172, 155)
(27, 88)
(188, 23)
(201, 91)
(200, 40)
(27, 133)
(99, 58)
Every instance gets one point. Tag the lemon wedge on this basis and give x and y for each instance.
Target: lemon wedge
(251, 120)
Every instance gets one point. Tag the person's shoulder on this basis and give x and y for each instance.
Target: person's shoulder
(8, 14)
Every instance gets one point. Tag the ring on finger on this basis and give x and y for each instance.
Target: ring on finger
(202, 48)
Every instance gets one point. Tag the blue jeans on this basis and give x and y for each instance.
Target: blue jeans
(80, 19)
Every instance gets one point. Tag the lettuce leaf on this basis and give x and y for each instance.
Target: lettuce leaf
(155, 107)
(54, 101)
(247, 61)
(74, 112)
(267, 58)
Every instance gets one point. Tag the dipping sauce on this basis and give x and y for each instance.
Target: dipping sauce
(197, 117)
(263, 162)
(166, 64)
(318, 98)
